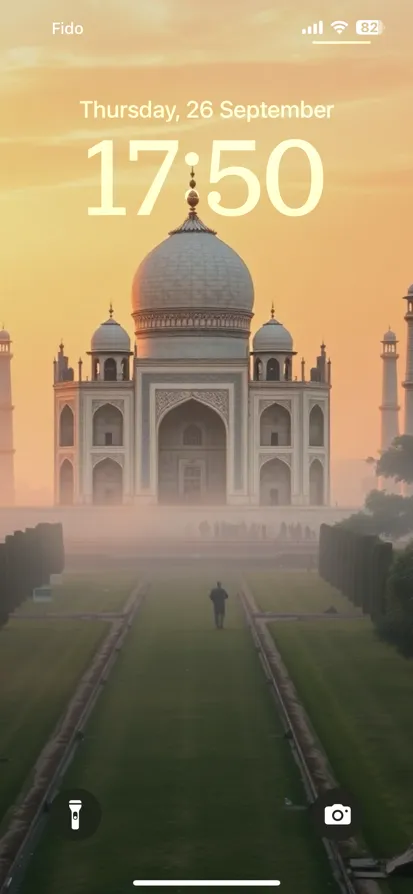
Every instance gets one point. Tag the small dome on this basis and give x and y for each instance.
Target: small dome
(389, 335)
(4, 335)
(110, 338)
(410, 290)
(272, 337)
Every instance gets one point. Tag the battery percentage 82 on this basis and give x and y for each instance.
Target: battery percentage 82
(369, 26)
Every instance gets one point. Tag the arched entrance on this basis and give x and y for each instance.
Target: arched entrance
(316, 483)
(275, 483)
(66, 483)
(192, 456)
(316, 438)
(66, 427)
(108, 427)
(109, 370)
(258, 370)
(273, 370)
(275, 427)
(107, 483)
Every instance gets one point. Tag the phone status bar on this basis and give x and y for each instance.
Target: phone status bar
(361, 32)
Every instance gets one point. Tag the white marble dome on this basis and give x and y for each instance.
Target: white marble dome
(192, 269)
(272, 337)
(192, 296)
(110, 338)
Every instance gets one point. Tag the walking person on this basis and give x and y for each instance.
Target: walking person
(218, 596)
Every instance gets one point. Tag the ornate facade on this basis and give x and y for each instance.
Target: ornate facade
(192, 415)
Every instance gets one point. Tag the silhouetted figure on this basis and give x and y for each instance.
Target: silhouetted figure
(283, 531)
(218, 596)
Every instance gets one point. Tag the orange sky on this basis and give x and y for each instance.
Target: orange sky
(337, 274)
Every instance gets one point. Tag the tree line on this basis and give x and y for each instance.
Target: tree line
(27, 560)
(389, 514)
(374, 577)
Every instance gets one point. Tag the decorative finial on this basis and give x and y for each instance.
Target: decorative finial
(192, 223)
(61, 346)
(192, 196)
(272, 311)
(110, 310)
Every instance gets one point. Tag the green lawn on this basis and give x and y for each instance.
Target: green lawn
(94, 592)
(185, 754)
(359, 695)
(296, 591)
(40, 663)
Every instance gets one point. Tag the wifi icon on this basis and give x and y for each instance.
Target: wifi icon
(339, 27)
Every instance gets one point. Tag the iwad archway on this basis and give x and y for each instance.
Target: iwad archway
(66, 483)
(108, 427)
(316, 427)
(192, 455)
(107, 483)
(275, 483)
(275, 427)
(316, 483)
(66, 427)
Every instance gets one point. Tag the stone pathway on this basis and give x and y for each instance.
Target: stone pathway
(71, 616)
(298, 616)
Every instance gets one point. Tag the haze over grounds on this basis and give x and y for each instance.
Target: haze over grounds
(186, 727)
(337, 274)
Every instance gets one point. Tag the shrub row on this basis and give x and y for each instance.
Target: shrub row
(27, 559)
(397, 624)
(358, 565)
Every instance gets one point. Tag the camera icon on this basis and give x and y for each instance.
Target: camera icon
(337, 815)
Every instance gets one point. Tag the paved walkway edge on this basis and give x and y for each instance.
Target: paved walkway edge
(315, 769)
(23, 831)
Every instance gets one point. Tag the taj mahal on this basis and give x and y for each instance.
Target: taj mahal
(195, 412)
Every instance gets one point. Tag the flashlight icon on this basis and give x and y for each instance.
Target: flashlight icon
(75, 808)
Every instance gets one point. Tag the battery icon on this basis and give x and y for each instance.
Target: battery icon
(369, 27)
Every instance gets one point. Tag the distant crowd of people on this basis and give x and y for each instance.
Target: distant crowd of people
(296, 532)
(242, 531)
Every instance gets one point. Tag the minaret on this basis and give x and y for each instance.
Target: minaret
(408, 382)
(6, 423)
(389, 409)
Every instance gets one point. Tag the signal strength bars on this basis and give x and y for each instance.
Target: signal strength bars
(317, 28)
